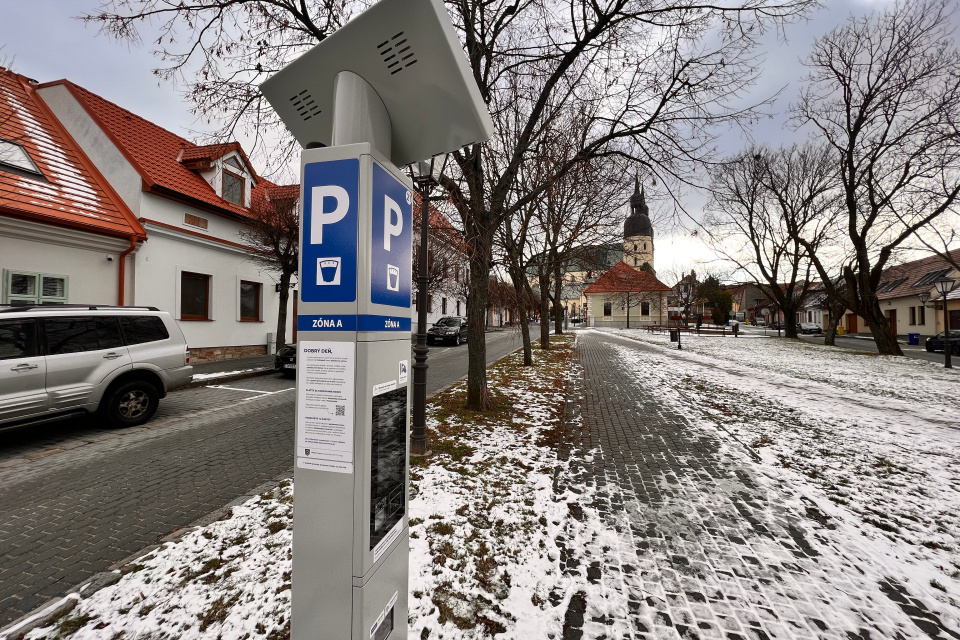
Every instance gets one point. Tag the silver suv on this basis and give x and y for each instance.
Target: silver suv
(58, 361)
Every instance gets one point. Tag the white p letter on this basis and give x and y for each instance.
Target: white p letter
(318, 218)
(391, 209)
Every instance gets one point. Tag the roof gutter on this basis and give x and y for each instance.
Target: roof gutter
(123, 270)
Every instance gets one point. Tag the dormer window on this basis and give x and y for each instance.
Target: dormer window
(233, 187)
(15, 159)
(233, 162)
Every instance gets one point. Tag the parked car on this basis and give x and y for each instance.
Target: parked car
(285, 360)
(58, 361)
(759, 322)
(809, 327)
(935, 343)
(448, 329)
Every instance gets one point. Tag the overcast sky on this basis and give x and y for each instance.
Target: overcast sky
(44, 40)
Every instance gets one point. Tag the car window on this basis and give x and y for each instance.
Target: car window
(18, 339)
(70, 335)
(108, 333)
(448, 322)
(140, 329)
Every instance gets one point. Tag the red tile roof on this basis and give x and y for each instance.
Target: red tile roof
(73, 193)
(438, 223)
(156, 153)
(899, 281)
(622, 278)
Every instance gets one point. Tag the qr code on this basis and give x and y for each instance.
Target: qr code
(341, 410)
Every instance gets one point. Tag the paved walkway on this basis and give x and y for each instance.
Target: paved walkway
(703, 548)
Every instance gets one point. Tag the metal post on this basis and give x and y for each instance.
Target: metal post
(418, 431)
(946, 335)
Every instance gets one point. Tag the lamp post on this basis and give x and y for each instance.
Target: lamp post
(945, 285)
(426, 175)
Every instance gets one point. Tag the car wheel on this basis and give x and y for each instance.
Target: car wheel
(929, 348)
(289, 373)
(131, 404)
(955, 349)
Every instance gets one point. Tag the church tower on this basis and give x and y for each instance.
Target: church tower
(638, 232)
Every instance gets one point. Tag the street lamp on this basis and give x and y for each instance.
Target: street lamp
(945, 285)
(425, 175)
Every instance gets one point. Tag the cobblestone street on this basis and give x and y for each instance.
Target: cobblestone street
(707, 547)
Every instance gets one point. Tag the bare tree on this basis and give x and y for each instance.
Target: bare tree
(653, 78)
(883, 91)
(273, 232)
(762, 204)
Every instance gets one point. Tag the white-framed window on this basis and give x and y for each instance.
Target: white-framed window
(34, 288)
(645, 308)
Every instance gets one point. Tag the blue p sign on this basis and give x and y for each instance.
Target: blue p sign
(329, 253)
(391, 270)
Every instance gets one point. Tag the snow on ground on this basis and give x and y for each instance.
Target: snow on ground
(873, 440)
(484, 516)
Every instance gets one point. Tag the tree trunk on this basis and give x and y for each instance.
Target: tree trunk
(558, 302)
(282, 311)
(789, 321)
(520, 287)
(544, 310)
(883, 336)
(478, 396)
(831, 336)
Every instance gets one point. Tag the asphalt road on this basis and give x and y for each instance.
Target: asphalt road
(77, 497)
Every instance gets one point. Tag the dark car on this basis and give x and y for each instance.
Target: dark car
(935, 343)
(448, 329)
(286, 360)
(809, 327)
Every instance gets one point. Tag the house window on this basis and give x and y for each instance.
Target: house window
(249, 301)
(429, 303)
(15, 159)
(608, 308)
(634, 262)
(443, 306)
(913, 315)
(34, 288)
(194, 296)
(644, 246)
(233, 188)
(233, 162)
(923, 315)
(644, 308)
(458, 307)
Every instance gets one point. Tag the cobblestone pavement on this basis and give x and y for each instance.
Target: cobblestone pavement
(704, 547)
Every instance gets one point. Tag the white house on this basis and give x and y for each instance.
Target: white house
(626, 296)
(193, 202)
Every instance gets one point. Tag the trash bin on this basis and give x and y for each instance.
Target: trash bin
(840, 331)
(674, 335)
(913, 338)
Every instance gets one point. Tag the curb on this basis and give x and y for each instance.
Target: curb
(46, 614)
(230, 378)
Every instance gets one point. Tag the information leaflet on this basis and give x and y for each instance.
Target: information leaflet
(325, 395)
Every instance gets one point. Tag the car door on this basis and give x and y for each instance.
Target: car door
(82, 354)
(23, 370)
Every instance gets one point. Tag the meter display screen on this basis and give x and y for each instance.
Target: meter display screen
(387, 463)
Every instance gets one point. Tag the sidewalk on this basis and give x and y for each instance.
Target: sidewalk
(708, 544)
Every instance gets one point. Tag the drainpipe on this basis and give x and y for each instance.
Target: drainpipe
(123, 269)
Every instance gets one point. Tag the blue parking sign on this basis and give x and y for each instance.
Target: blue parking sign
(331, 193)
(390, 258)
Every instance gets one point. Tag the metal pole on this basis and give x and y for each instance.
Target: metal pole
(418, 431)
(946, 335)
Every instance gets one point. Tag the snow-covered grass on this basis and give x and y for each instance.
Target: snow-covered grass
(484, 515)
(877, 436)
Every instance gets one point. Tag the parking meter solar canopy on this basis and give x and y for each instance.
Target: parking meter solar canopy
(408, 51)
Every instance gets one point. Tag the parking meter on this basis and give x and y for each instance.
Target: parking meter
(390, 88)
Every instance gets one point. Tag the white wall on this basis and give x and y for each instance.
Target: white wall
(37, 247)
(96, 145)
